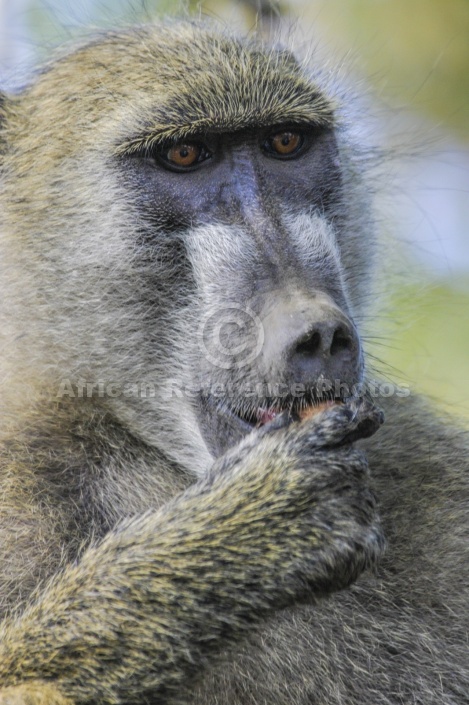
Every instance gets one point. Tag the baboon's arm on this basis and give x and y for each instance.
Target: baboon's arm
(142, 611)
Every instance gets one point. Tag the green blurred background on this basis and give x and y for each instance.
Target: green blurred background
(411, 58)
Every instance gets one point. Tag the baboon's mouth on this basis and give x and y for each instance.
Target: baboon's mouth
(224, 422)
(257, 415)
(263, 415)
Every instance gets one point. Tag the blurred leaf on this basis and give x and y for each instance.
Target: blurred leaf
(415, 50)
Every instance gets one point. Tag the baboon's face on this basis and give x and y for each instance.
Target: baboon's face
(216, 244)
(254, 213)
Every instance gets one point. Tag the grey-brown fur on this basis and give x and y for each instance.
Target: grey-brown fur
(135, 566)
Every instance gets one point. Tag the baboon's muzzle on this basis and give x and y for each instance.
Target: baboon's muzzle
(312, 343)
(310, 352)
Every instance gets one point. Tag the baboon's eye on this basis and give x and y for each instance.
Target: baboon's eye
(184, 156)
(284, 145)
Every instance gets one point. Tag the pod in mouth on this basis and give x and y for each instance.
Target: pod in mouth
(262, 415)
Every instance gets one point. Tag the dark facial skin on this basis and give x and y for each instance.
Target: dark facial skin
(242, 178)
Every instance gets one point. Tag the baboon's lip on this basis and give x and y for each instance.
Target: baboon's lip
(225, 422)
(247, 419)
(261, 415)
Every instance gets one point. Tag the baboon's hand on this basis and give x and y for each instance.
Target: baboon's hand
(285, 515)
(33, 693)
(306, 501)
(336, 425)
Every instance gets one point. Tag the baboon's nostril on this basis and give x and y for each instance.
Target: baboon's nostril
(325, 339)
(330, 350)
(341, 340)
(310, 342)
(310, 345)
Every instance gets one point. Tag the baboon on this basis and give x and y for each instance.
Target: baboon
(186, 250)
